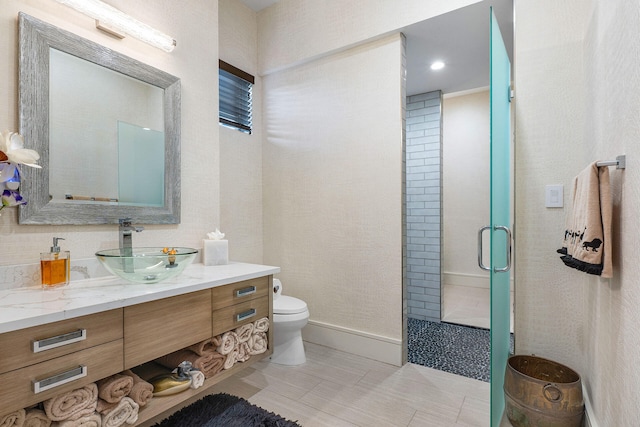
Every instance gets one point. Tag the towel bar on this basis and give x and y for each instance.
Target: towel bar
(620, 162)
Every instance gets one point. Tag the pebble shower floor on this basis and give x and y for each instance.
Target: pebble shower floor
(461, 350)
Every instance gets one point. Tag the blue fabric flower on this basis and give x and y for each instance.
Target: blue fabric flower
(11, 198)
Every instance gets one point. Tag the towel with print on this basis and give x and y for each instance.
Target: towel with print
(587, 239)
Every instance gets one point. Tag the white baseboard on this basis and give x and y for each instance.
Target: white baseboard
(363, 344)
(589, 418)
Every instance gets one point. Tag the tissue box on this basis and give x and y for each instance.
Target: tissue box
(215, 252)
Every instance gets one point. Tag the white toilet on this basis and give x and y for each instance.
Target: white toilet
(290, 315)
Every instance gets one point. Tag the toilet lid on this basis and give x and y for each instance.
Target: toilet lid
(288, 305)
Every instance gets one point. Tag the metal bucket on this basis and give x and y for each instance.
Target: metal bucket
(542, 393)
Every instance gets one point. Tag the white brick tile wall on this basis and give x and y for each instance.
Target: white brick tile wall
(423, 205)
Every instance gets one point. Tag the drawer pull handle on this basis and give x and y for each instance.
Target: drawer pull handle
(245, 315)
(59, 340)
(245, 291)
(59, 379)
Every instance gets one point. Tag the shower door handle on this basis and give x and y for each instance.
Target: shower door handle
(508, 248)
(480, 264)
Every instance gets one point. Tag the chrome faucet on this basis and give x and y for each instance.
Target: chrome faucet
(126, 230)
(126, 246)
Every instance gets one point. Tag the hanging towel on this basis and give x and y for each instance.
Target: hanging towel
(587, 239)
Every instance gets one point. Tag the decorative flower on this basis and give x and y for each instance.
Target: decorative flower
(12, 150)
(11, 198)
(12, 155)
(9, 172)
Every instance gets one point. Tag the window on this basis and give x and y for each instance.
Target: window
(235, 97)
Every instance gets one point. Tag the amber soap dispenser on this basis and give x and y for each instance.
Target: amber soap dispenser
(55, 266)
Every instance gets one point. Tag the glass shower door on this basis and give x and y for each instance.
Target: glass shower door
(500, 93)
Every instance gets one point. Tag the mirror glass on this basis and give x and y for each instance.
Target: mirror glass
(84, 171)
(107, 129)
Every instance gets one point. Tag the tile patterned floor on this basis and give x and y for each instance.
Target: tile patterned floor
(336, 389)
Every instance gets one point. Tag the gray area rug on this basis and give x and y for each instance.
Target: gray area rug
(224, 410)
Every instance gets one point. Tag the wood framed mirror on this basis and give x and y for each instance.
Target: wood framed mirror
(107, 128)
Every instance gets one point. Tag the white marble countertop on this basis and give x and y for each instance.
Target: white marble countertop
(32, 306)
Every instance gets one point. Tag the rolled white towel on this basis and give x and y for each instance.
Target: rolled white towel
(261, 325)
(229, 343)
(197, 378)
(231, 359)
(244, 332)
(244, 352)
(36, 418)
(13, 419)
(93, 420)
(73, 404)
(258, 343)
(203, 346)
(113, 388)
(126, 411)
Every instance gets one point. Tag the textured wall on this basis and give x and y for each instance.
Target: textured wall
(294, 31)
(195, 29)
(332, 188)
(566, 117)
(424, 204)
(466, 181)
(241, 153)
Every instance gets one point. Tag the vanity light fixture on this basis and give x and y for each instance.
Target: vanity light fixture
(437, 65)
(117, 23)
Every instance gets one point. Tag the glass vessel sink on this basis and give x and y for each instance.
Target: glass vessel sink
(146, 265)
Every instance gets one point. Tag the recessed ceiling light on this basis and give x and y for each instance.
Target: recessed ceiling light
(438, 65)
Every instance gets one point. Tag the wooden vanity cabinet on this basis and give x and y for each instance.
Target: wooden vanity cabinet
(231, 306)
(124, 338)
(57, 339)
(43, 361)
(234, 293)
(240, 303)
(160, 327)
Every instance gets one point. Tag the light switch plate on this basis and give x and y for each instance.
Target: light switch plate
(554, 196)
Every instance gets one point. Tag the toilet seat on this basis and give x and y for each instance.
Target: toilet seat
(285, 304)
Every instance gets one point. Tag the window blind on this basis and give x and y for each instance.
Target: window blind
(235, 97)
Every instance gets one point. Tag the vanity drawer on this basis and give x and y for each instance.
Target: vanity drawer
(229, 318)
(39, 343)
(156, 328)
(224, 296)
(17, 390)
